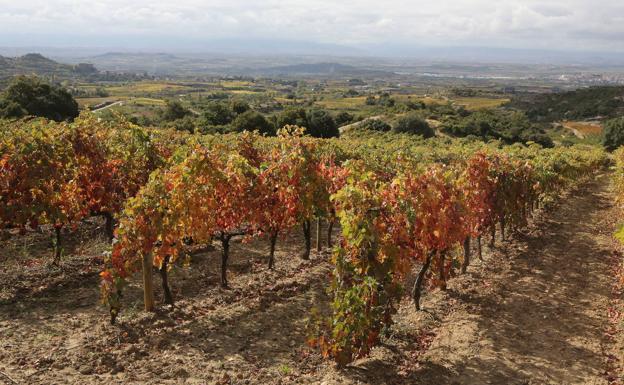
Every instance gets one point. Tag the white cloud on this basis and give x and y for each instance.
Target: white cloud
(516, 23)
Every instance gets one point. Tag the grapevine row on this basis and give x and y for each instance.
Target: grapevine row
(403, 204)
(397, 212)
(59, 173)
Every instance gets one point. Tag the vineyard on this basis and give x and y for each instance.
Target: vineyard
(372, 225)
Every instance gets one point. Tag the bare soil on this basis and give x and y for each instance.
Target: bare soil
(538, 310)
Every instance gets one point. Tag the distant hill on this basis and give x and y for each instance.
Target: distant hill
(124, 56)
(36, 64)
(39, 65)
(156, 63)
(321, 69)
(164, 64)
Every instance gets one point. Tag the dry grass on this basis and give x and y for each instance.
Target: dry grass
(284, 100)
(428, 100)
(236, 83)
(148, 101)
(142, 87)
(242, 92)
(343, 103)
(473, 104)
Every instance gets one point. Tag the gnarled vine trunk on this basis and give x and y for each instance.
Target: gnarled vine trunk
(225, 254)
(330, 228)
(479, 249)
(148, 289)
(109, 226)
(57, 246)
(273, 241)
(165, 281)
(307, 234)
(441, 275)
(466, 260)
(318, 235)
(417, 289)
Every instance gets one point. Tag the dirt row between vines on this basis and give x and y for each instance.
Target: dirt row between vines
(534, 312)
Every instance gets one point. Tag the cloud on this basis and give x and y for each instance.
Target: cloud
(572, 24)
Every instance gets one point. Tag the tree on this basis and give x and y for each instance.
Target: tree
(239, 106)
(218, 114)
(413, 124)
(11, 109)
(252, 121)
(85, 69)
(321, 124)
(510, 127)
(613, 134)
(292, 117)
(318, 123)
(174, 111)
(32, 96)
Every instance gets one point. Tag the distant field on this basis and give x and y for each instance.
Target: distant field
(242, 92)
(583, 129)
(284, 100)
(148, 101)
(236, 83)
(480, 103)
(87, 87)
(419, 98)
(343, 103)
(145, 87)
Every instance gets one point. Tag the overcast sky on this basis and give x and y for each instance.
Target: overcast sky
(562, 24)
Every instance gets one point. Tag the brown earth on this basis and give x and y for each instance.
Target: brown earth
(542, 316)
(534, 312)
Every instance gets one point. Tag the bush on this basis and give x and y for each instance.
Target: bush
(415, 105)
(541, 139)
(344, 118)
(510, 127)
(613, 134)
(186, 123)
(375, 125)
(415, 125)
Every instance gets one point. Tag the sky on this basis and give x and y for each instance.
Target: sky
(576, 25)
